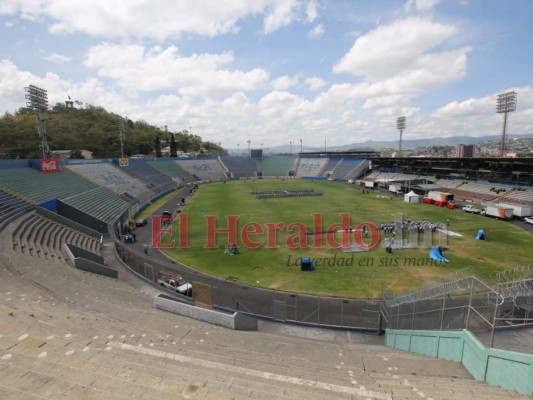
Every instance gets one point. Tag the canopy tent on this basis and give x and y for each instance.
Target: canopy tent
(411, 197)
(481, 235)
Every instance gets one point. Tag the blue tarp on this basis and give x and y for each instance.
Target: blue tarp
(480, 235)
(307, 264)
(436, 255)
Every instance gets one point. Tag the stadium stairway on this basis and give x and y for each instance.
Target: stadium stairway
(69, 334)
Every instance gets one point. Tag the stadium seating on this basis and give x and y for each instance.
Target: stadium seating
(277, 165)
(519, 197)
(146, 173)
(69, 334)
(115, 179)
(101, 203)
(311, 166)
(43, 238)
(205, 169)
(171, 169)
(350, 168)
(240, 167)
(37, 187)
(11, 208)
(330, 166)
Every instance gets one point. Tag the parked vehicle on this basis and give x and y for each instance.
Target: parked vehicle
(519, 211)
(174, 282)
(471, 209)
(529, 220)
(442, 197)
(141, 222)
(397, 189)
(498, 212)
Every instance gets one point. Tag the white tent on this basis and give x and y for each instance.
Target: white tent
(411, 197)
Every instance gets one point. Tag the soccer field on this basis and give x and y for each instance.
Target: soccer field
(358, 274)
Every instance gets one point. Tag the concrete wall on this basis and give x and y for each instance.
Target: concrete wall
(95, 268)
(81, 217)
(508, 369)
(236, 321)
(90, 265)
(79, 252)
(68, 222)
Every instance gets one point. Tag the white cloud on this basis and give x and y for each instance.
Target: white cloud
(311, 11)
(57, 58)
(316, 32)
(421, 5)
(158, 19)
(394, 49)
(281, 14)
(315, 82)
(135, 68)
(285, 82)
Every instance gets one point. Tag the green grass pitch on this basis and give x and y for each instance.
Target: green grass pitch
(360, 274)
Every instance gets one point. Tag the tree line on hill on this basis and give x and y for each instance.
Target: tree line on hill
(94, 129)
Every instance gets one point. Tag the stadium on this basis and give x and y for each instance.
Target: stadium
(338, 245)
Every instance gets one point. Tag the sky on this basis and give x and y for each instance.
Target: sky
(278, 71)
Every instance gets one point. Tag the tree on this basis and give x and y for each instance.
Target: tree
(173, 147)
(157, 147)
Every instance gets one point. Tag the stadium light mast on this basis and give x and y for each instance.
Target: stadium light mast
(505, 104)
(122, 136)
(301, 146)
(238, 150)
(400, 125)
(290, 146)
(249, 151)
(37, 99)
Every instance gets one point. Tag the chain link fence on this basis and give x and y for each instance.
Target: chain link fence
(464, 303)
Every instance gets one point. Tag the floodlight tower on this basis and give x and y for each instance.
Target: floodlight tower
(249, 151)
(506, 103)
(37, 99)
(122, 136)
(400, 125)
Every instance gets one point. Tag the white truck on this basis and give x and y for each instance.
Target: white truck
(174, 282)
(397, 189)
(469, 208)
(498, 212)
(519, 211)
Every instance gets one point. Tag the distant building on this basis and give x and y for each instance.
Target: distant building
(465, 151)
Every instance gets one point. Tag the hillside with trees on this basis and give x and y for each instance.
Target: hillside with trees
(94, 129)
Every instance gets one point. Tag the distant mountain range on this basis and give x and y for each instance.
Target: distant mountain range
(375, 144)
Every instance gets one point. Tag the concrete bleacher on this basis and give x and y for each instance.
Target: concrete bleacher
(518, 196)
(69, 334)
(45, 239)
(171, 169)
(113, 178)
(11, 208)
(152, 177)
(241, 167)
(277, 165)
(205, 169)
(348, 168)
(37, 187)
(330, 166)
(311, 166)
(448, 183)
(101, 203)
